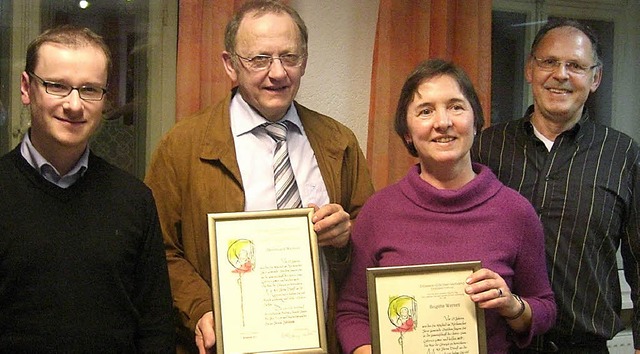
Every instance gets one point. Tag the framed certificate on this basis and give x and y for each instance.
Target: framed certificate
(266, 283)
(424, 309)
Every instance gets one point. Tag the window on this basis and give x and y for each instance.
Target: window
(507, 65)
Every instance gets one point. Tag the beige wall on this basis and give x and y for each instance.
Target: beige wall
(338, 77)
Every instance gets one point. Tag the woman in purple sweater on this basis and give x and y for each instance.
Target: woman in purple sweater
(447, 209)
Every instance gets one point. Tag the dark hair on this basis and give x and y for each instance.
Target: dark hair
(259, 8)
(68, 36)
(565, 22)
(426, 70)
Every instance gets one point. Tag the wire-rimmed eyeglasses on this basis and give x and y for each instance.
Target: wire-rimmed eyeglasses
(551, 64)
(263, 62)
(86, 92)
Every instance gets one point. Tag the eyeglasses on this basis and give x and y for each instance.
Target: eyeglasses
(263, 62)
(550, 64)
(87, 93)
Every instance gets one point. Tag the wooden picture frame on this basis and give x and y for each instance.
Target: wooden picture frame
(424, 309)
(266, 282)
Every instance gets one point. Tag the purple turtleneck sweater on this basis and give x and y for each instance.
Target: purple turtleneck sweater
(412, 223)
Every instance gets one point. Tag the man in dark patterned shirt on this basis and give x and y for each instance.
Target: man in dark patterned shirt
(584, 181)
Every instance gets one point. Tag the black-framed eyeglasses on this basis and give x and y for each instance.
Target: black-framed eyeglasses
(263, 62)
(551, 64)
(87, 92)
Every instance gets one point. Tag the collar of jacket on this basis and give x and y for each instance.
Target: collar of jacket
(217, 142)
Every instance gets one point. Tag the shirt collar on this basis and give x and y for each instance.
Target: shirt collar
(576, 131)
(46, 169)
(245, 118)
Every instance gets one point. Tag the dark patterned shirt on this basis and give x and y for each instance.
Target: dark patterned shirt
(586, 191)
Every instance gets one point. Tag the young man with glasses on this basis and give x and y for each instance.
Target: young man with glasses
(82, 267)
(584, 181)
(220, 160)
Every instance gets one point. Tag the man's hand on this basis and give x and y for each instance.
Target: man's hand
(205, 335)
(332, 225)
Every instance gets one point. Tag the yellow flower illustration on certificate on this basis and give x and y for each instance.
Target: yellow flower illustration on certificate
(241, 256)
(402, 313)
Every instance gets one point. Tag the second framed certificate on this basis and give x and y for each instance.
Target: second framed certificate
(424, 309)
(265, 280)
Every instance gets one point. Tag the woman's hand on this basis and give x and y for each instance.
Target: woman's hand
(490, 291)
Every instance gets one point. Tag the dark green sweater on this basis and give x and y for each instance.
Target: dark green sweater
(82, 269)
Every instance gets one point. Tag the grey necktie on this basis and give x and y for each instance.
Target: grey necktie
(287, 195)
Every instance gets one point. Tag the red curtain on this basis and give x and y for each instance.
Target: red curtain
(200, 79)
(409, 32)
